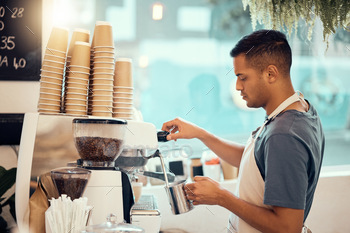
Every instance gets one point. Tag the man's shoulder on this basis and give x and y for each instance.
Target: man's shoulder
(293, 122)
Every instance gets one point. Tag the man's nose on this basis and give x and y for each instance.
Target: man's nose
(239, 86)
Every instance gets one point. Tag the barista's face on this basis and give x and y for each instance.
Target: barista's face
(250, 82)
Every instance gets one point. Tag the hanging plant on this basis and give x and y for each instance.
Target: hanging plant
(284, 14)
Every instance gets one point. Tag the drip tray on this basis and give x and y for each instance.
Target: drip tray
(147, 205)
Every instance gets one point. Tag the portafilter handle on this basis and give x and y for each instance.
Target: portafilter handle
(161, 135)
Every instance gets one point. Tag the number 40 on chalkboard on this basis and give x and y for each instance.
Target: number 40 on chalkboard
(20, 40)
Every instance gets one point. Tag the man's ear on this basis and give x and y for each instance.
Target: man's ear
(272, 73)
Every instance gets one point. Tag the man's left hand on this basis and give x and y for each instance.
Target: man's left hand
(203, 191)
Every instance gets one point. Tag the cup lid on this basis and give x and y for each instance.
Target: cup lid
(98, 121)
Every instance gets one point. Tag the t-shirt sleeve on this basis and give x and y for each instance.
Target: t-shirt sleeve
(286, 178)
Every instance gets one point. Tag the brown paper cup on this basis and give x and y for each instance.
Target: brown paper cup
(102, 70)
(102, 98)
(58, 39)
(106, 54)
(84, 69)
(76, 90)
(78, 35)
(49, 101)
(122, 115)
(41, 110)
(71, 95)
(104, 50)
(123, 100)
(99, 92)
(54, 107)
(45, 95)
(57, 86)
(99, 61)
(98, 83)
(78, 76)
(47, 67)
(103, 34)
(79, 107)
(120, 104)
(51, 79)
(123, 89)
(72, 84)
(57, 64)
(102, 101)
(102, 114)
(76, 113)
(51, 56)
(81, 54)
(51, 74)
(82, 101)
(51, 90)
(103, 64)
(123, 73)
(119, 94)
(97, 86)
(106, 108)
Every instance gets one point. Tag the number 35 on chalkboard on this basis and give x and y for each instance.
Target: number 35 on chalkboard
(20, 40)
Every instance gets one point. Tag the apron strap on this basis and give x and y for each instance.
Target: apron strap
(292, 99)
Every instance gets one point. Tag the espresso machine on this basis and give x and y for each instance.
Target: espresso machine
(108, 190)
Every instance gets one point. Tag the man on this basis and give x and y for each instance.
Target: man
(280, 164)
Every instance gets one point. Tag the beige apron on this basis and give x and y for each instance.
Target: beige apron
(251, 186)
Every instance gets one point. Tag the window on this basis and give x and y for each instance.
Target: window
(189, 74)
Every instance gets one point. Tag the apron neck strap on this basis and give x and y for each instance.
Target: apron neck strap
(292, 99)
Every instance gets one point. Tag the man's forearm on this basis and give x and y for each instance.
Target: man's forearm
(265, 220)
(228, 151)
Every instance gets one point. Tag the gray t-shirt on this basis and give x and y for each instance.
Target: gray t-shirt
(289, 154)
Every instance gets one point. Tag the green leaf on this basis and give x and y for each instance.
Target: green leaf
(2, 171)
(3, 225)
(7, 180)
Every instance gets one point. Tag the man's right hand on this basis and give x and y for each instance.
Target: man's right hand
(181, 129)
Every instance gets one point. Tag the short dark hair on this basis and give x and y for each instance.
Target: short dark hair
(265, 47)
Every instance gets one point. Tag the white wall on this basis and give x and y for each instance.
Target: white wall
(18, 96)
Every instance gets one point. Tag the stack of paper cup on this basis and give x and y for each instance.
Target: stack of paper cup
(78, 35)
(123, 89)
(91, 76)
(52, 71)
(78, 80)
(103, 70)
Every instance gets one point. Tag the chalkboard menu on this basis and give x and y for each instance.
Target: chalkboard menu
(20, 39)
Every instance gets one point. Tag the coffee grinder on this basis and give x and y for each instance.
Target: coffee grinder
(99, 142)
